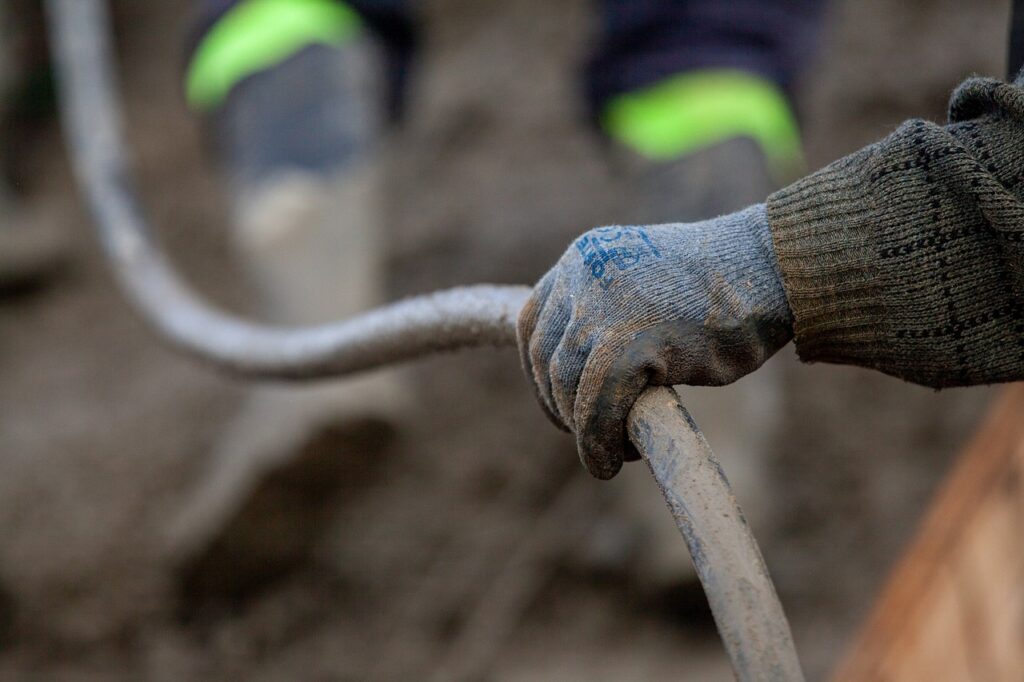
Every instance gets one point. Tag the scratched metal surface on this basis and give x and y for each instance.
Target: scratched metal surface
(747, 610)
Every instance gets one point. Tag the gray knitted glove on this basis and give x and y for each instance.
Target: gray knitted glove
(699, 303)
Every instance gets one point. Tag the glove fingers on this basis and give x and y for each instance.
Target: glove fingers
(621, 375)
(550, 329)
(526, 324)
(566, 368)
(539, 331)
(667, 354)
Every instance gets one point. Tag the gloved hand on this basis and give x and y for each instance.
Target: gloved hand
(700, 303)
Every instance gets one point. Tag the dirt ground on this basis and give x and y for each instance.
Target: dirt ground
(449, 555)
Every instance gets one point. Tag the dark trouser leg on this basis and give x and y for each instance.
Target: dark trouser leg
(670, 77)
(646, 41)
(390, 21)
(296, 84)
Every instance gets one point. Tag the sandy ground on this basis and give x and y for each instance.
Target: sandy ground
(103, 432)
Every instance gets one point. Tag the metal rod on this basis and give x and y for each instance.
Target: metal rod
(729, 564)
(747, 611)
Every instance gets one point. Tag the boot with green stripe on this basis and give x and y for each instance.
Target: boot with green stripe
(298, 136)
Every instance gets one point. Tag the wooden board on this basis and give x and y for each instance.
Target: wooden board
(954, 607)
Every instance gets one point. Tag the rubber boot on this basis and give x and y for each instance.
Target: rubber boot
(299, 142)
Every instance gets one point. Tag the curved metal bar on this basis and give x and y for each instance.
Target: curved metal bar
(729, 564)
(458, 318)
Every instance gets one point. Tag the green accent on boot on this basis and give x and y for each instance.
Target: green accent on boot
(693, 110)
(257, 34)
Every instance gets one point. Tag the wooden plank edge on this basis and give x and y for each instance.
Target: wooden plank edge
(977, 470)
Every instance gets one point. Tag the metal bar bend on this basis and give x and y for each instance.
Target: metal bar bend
(747, 611)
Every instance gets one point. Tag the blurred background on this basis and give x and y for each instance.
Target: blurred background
(161, 521)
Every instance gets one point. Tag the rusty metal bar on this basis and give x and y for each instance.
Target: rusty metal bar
(747, 610)
(729, 564)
